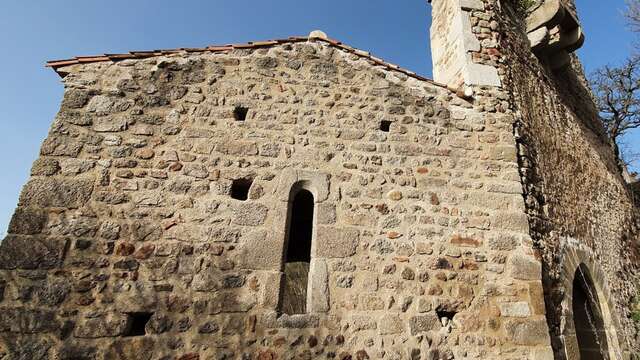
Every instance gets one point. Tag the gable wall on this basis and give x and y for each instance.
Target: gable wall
(128, 210)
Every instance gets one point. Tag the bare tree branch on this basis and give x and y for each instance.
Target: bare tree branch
(617, 93)
(629, 155)
(633, 14)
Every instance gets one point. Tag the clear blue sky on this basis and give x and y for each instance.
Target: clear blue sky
(32, 32)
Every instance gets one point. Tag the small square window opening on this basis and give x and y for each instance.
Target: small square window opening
(240, 189)
(385, 125)
(138, 323)
(240, 113)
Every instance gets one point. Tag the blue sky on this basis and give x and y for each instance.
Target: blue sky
(32, 32)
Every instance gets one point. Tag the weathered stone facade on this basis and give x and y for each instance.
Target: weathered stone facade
(128, 243)
(589, 207)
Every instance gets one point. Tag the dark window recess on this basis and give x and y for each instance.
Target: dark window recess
(240, 113)
(301, 228)
(240, 189)
(445, 314)
(298, 255)
(385, 125)
(138, 323)
(590, 330)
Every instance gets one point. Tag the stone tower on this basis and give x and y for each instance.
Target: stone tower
(302, 199)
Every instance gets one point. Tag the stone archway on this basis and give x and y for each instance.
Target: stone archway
(588, 329)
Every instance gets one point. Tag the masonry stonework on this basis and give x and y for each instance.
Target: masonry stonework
(575, 193)
(448, 219)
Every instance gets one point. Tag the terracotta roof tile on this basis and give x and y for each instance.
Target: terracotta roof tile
(57, 64)
(220, 48)
(91, 59)
(265, 43)
(116, 57)
(243, 46)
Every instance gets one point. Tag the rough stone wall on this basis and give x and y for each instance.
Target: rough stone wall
(128, 211)
(574, 189)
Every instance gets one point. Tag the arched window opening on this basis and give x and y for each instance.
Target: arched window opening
(587, 316)
(298, 254)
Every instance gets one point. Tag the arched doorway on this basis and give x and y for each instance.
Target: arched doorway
(586, 311)
(587, 316)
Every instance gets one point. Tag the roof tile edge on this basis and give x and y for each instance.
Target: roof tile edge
(57, 64)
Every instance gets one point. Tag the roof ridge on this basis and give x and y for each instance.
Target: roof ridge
(57, 64)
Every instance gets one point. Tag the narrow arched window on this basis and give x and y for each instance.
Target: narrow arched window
(298, 253)
(589, 325)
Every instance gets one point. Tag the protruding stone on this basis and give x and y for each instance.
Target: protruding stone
(318, 34)
(538, 37)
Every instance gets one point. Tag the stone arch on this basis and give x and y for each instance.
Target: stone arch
(579, 260)
(587, 317)
(293, 183)
(290, 184)
(264, 249)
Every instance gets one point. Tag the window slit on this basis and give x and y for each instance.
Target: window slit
(298, 254)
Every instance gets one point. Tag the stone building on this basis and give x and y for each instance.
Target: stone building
(302, 199)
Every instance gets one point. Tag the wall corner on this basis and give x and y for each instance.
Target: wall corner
(455, 44)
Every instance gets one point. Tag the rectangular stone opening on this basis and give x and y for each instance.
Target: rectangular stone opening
(138, 323)
(445, 314)
(240, 113)
(385, 125)
(240, 189)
